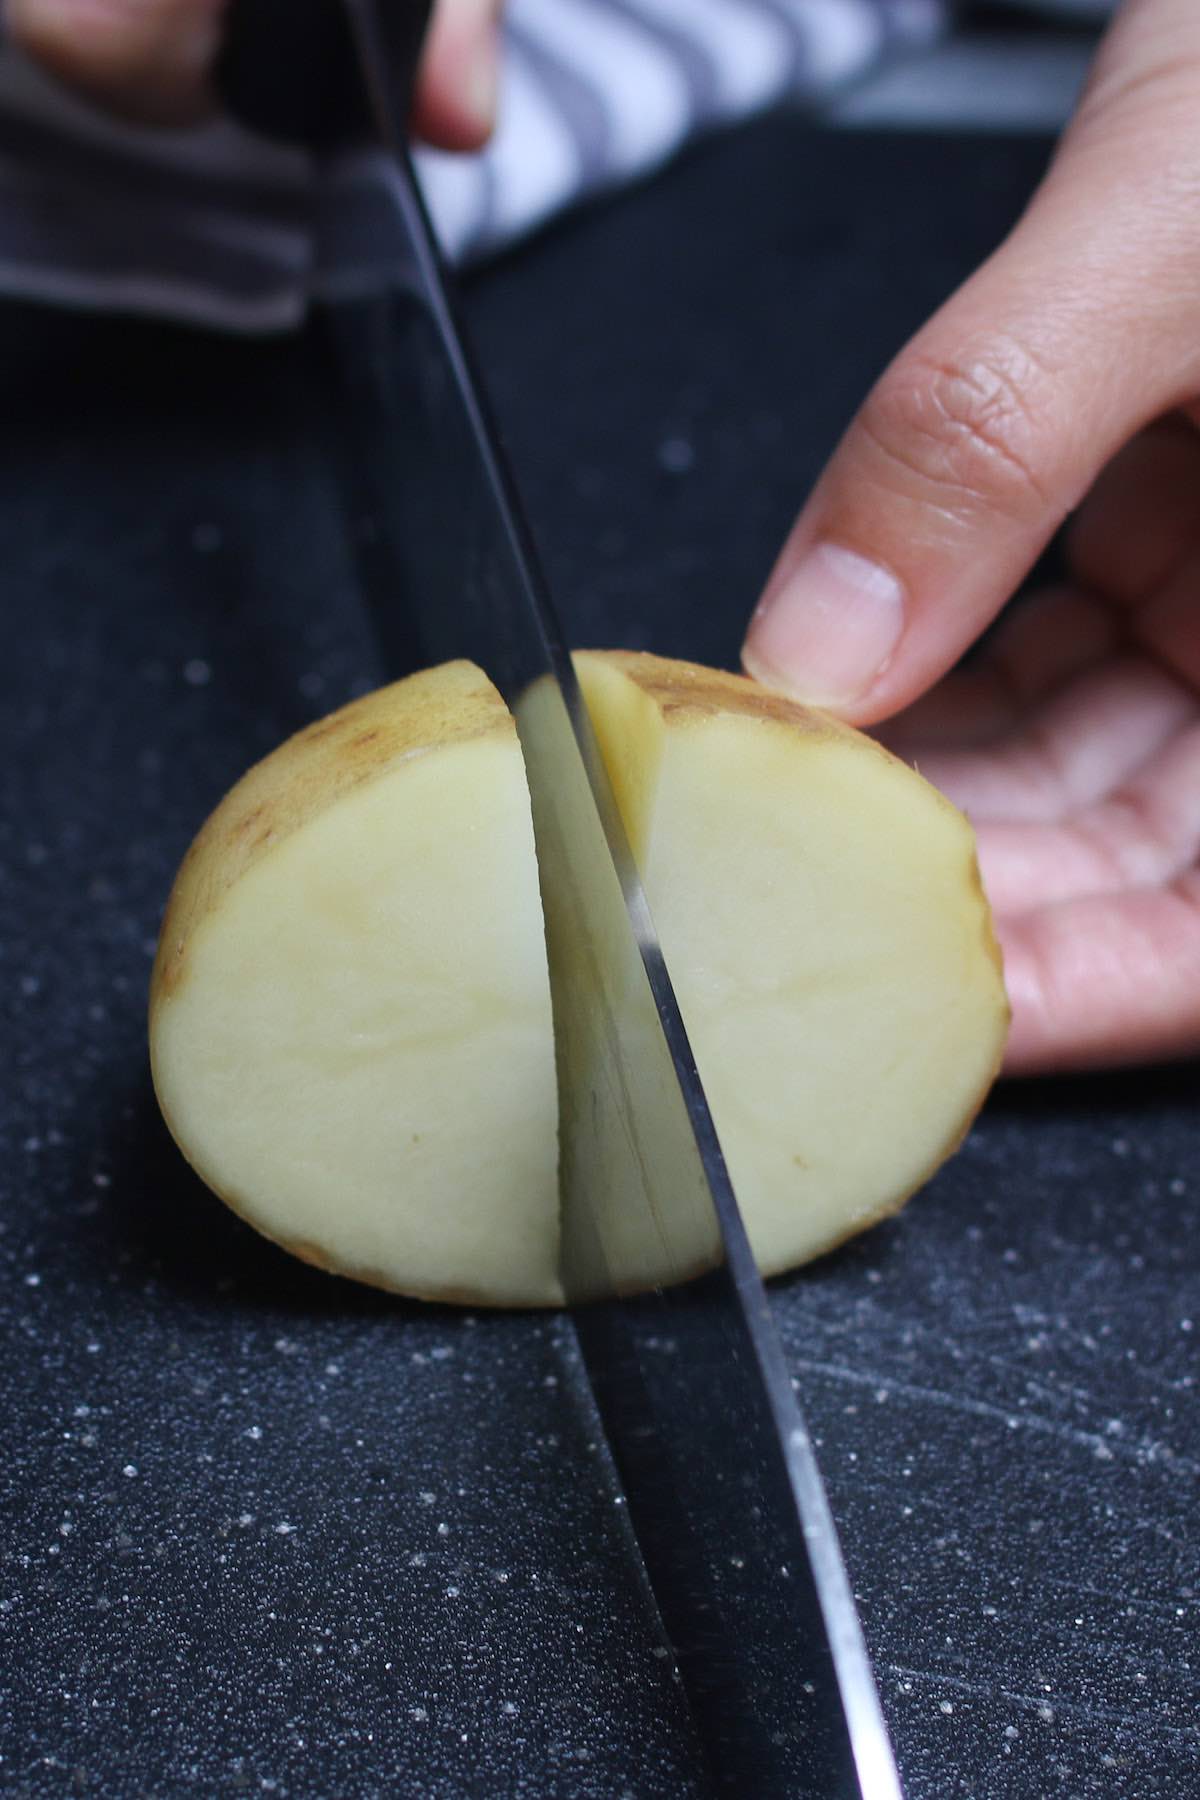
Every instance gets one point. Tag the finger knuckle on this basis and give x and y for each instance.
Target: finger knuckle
(965, 430)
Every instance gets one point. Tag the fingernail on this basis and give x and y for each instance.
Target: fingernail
(830, 631)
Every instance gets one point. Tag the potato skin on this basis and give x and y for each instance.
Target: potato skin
(679, 689)
(309, 772)
(682, 692)
(439, 707)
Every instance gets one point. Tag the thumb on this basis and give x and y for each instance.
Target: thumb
(991, 425)
(459, 75)
(147, 60)
(151, 60)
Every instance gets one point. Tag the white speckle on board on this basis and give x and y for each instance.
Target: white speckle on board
(130, 1470)
(676, 455)
(196, 672)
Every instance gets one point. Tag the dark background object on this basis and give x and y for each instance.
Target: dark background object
(1002, 1380)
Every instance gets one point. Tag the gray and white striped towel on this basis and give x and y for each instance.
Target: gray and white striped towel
(217, 227)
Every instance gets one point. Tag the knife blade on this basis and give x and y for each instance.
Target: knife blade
(724, 1491)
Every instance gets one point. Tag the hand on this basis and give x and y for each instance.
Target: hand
(1074, 742)
(150, 60)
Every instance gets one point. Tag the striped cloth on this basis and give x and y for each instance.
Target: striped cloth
(217, 227)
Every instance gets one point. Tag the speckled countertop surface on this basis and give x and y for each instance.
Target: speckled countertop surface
(263, 1534)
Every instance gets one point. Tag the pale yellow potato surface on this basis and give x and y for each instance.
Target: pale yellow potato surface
(821, 912)
(350, 1012)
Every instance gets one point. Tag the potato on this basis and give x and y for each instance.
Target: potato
(822, 916)
(350, 1010)
(350, 1019)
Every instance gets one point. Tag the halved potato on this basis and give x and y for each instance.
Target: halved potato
(350, 1017)
(821, 913)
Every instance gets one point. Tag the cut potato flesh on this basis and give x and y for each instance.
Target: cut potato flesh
(353, 1043)
(350, 1014)
(820, 910)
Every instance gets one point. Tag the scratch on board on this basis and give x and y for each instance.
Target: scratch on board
(1082, 1710)
(1101, 1443)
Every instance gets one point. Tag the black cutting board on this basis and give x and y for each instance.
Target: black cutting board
(264, 1534)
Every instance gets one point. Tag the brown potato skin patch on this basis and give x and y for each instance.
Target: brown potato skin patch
(680, 689)
(309, 772)
(683, 687)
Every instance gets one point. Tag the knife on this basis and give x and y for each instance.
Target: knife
(725, 1497)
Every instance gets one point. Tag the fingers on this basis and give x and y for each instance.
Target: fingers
(1142, 519)
(992, 424)
(151, 60)
(1037, 648)
(1080, 744)
(144, 59)
(1138, 541)
(457, 83)
(1096, 982)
